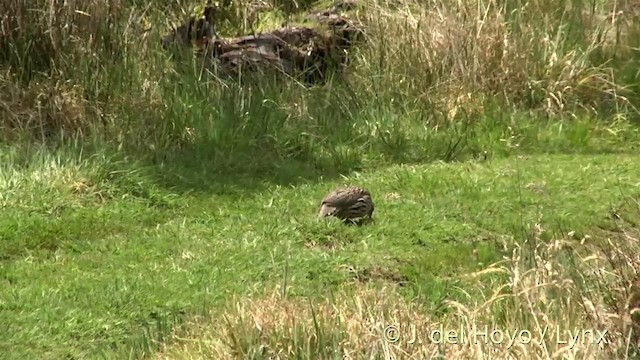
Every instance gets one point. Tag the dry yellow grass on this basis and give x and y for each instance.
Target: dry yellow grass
(550, 310)
(452, 54)
(447, 50)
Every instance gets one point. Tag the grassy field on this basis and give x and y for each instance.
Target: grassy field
(151, 213)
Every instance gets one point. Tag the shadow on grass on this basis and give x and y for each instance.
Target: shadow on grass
(186, 134)
(213, 139)
(243, 145)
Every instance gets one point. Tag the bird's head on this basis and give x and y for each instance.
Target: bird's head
(326, 210)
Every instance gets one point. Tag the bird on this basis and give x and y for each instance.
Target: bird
(348, 203)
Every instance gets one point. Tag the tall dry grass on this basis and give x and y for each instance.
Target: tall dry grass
(78, 67)
(556, 56)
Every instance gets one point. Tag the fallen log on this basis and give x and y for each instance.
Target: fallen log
(301, 52)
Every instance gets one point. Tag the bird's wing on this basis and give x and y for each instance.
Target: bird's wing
(342, 198)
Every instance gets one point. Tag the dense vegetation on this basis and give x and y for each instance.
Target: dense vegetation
(150, 211)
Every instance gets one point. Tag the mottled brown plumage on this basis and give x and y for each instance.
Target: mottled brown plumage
(347, 203)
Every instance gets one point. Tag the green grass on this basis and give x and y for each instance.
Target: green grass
(81, 274)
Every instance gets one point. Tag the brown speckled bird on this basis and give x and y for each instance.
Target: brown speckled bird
(347, 203)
